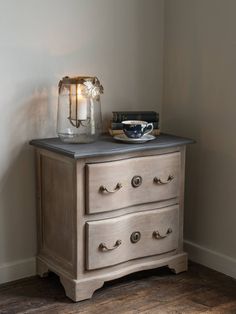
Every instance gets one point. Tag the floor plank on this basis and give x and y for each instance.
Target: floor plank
(200, 290)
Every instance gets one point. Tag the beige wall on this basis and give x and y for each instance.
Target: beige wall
(120, 41)
(200, 102)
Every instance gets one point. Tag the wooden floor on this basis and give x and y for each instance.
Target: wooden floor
(200, 290)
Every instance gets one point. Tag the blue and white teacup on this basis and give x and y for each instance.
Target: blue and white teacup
(136, 128)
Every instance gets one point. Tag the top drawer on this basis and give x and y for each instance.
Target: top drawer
(118, 184)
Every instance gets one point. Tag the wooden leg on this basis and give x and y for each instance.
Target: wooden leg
(42, 268)
(179, 265)
(80, 290)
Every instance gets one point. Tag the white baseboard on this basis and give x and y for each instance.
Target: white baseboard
(211, 259)
(17, 270)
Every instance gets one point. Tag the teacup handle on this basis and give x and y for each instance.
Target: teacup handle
(149, 128)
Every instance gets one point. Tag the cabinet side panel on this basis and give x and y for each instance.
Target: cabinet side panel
(57, 212)
(181, 199)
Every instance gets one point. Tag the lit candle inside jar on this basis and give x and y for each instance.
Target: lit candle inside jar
(78, 105)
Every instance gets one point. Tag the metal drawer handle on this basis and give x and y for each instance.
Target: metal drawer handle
(156, 234)
(104, 248)
(103, 189)
(159, 181)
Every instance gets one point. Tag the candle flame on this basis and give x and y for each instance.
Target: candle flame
(79, 91)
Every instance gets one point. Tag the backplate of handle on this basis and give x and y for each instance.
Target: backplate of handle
(103, 189)
(160, 181)
(156, 234)
(104, 248)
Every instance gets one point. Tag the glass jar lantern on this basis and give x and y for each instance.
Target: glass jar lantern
(79, 109)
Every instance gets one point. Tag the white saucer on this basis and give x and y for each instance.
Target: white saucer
(143, 139)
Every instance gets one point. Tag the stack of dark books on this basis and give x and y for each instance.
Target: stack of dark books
(116, 127)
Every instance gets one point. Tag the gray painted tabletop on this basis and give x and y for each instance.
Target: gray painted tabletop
(106, 145)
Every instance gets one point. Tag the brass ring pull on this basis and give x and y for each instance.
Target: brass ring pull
(104, 248)
(135, 237)
(136, 181)
(156, 234)
(103, 189)
(159, 181)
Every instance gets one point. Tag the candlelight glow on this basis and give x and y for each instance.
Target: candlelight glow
(79, 91)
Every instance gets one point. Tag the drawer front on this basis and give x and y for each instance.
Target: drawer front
(116, 240)
(119, 184)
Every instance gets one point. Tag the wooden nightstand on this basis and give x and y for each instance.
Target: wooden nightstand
(108, 209)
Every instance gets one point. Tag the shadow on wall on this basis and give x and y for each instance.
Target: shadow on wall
(33, 117)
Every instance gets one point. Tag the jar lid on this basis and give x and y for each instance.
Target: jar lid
(78, 79)
(92, 85)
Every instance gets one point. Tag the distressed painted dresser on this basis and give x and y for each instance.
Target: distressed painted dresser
(108, 209)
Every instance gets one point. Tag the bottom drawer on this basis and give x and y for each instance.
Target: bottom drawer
(116, 240)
